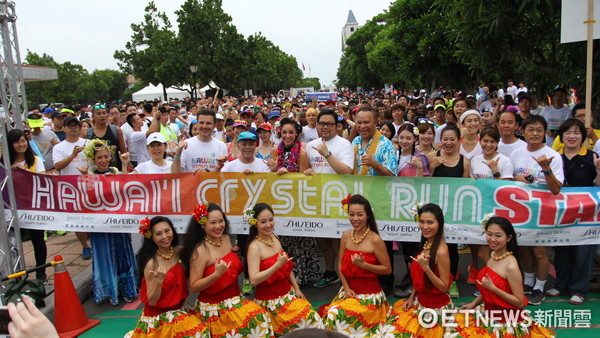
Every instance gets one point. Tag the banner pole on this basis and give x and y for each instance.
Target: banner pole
(588, 77)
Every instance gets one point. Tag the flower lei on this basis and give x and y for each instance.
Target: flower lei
(92, 146)
(200, 213)
(248, 215)
(345, 203)
(293, 161)
(414, 211)
(486, 219)
(145, 229)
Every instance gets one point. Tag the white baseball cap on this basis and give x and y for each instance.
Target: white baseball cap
(219, 116)
(155, 137)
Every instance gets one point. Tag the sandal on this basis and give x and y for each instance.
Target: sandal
(576, 300)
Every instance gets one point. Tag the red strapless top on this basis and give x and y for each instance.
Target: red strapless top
(173, 292)
(278, 284)
(360, 280)
(225, 286)
(428, 295)
(493, 301)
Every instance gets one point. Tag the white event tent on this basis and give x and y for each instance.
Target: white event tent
(151, 92)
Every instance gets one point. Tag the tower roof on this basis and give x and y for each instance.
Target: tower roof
(351, 18)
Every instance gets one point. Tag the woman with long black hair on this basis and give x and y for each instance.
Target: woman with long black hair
(431, 277)
(163, 286)
(21, 156)
(213, 271)
(500, 283)
(270, 270)
(361, 307)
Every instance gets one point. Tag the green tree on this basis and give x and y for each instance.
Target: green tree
(74, 84)
(212, 42)
(517, 39)
(153, 54)
(354, 70)
(310, 82)
(410, 48)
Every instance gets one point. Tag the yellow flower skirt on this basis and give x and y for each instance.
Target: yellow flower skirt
(367, 315)
(234, 317)
(288, 313)
(175, 323)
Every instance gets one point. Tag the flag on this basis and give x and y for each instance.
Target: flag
(303, 68)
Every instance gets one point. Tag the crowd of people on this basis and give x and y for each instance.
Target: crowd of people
(447, 134)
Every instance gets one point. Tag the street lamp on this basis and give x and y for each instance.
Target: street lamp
(194, 70)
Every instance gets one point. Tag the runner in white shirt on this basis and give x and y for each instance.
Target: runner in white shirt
(329, 154)
(491, 164)
(126, 128)
(511, 89)
(247, 163)
(69, 159)
(202, 151)
(309, 132)
(536, 163)
(507, 126)
(136, 140)
(470, 122)
(67, 155)
(555, 114)
(157, 147)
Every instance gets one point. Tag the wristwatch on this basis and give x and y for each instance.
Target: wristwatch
(328, 155)
(496, 174)
(547, 172)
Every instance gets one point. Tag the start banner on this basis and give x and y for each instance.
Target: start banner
(308, 206)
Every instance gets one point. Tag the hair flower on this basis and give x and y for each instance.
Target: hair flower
(249, 216)
(486, 219)
(200, 213)
(145, 229)
(416, 131)
(414, 211)
(345, 202)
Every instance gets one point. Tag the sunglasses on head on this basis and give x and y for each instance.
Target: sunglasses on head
(425, 121)
(99, 106)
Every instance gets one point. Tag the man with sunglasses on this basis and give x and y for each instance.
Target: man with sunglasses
(329, 154)
(104, 131)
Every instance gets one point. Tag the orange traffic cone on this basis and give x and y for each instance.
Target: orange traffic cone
(70, 319)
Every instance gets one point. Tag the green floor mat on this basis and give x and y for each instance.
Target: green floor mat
(114, 324)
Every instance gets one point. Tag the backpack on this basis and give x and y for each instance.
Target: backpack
(113, 129)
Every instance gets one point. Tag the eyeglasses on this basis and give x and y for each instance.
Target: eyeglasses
(326, 124)
(99, 106)
(425, 121)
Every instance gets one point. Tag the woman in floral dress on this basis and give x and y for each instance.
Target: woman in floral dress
(270, 270)
(213, 271)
